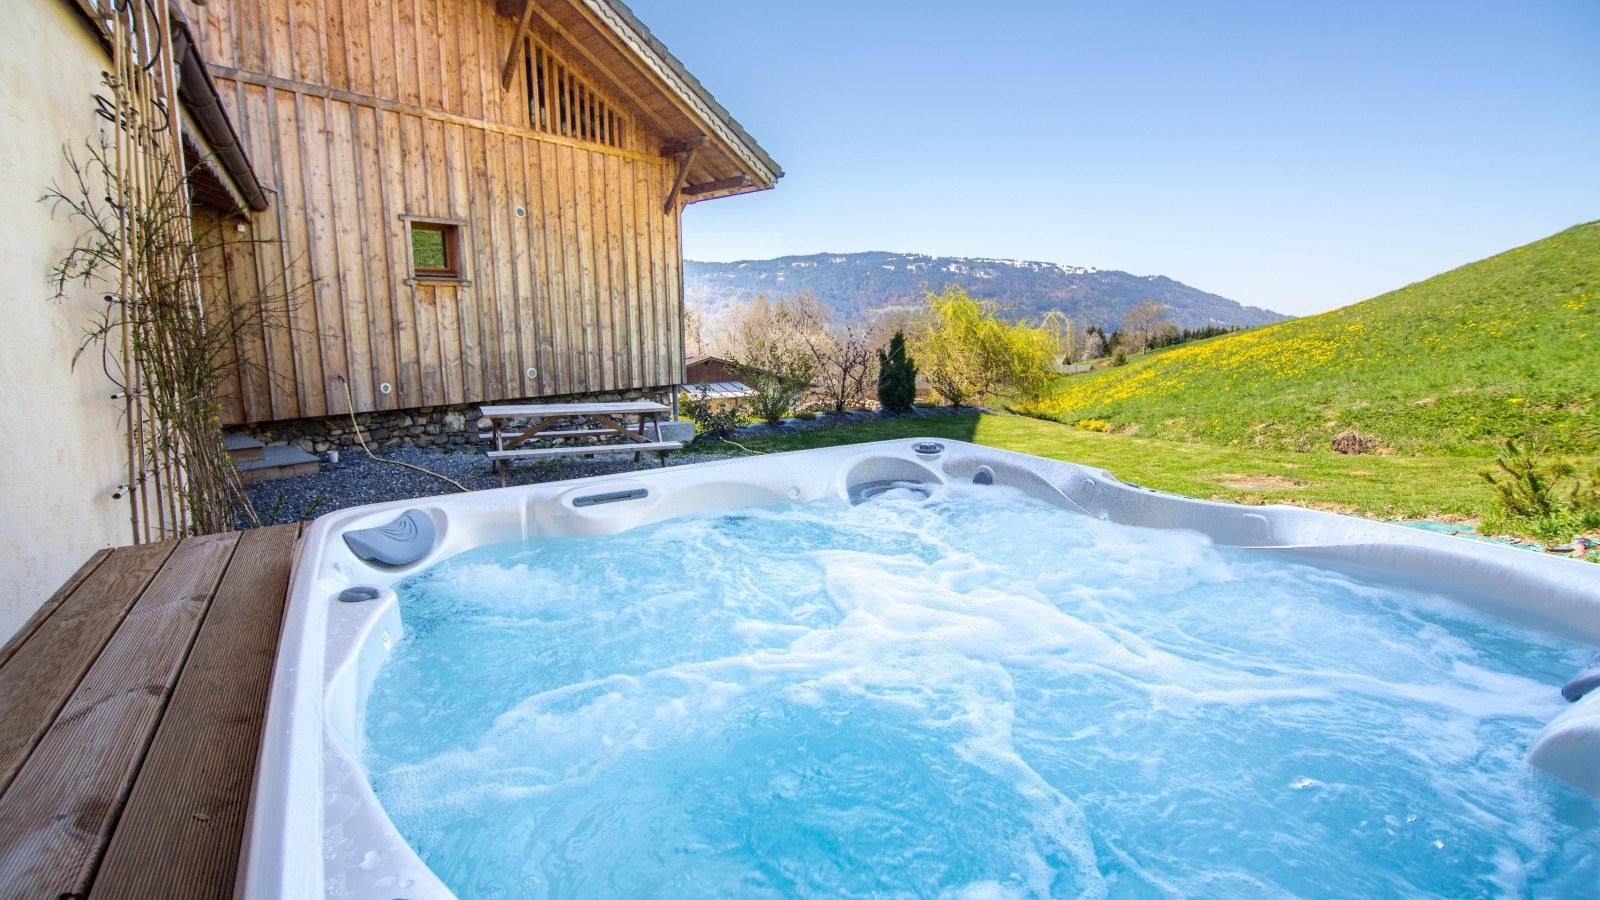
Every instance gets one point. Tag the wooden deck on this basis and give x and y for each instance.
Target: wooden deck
(131, 708)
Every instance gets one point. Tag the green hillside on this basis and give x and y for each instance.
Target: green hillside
(1505, 347)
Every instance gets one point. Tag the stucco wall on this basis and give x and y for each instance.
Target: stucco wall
(62, 433)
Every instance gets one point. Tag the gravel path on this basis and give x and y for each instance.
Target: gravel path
(356, 480)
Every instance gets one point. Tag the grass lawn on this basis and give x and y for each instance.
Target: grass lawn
(1384, 486)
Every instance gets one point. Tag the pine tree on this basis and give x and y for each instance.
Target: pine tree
(897, 376)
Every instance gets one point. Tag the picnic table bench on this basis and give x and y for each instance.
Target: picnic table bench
(541, 417)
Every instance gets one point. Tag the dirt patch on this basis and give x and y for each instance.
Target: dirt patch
(1259, 482)
(1344, 509)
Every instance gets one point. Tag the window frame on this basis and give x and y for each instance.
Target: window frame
(452, 271)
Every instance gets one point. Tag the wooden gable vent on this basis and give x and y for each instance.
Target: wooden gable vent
(559, 102)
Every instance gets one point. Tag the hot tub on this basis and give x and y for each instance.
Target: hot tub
(318, 827)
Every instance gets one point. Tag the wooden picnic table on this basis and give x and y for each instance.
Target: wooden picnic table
(131, 711)
(610, 420)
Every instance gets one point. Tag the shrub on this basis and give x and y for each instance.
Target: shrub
(1527, 498)
(708, 420)
(897, 375)
(1121, 359)
(805, 415)
(780, 376)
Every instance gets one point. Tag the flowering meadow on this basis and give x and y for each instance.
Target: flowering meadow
(1505, 347)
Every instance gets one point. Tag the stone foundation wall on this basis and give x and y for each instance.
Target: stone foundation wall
(428, 426)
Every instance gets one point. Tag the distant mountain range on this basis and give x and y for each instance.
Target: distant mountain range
(863, 283)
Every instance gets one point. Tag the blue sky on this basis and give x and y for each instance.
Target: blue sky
(1297, 156)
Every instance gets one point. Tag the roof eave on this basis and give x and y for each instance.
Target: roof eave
(665, 68)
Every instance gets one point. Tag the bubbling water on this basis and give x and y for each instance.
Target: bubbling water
(968, 695)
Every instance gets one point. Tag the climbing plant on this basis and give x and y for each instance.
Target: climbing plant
(167, 352)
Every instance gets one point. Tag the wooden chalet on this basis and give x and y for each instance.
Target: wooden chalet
(481, 198)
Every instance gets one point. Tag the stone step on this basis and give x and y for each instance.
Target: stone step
(243, 447)
(278, 461)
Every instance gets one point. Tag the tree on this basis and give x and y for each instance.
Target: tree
(969, 352)
(740, 331)
(694, 328)
(1094, 343)
(1068, 346)
(844, 355)
(1143, 323)
(766, 341)
(897, 375)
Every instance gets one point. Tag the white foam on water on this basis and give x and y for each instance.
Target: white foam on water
(972, 695)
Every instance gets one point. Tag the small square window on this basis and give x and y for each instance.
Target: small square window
(434, 250)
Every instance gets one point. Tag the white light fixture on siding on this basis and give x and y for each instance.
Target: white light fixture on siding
(384, 388)
(533, 373)
(522, 213)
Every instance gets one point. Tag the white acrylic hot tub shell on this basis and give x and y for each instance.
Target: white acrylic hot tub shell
(316, 829)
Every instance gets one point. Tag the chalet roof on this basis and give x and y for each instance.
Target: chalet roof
(611, 37)
(693, 85)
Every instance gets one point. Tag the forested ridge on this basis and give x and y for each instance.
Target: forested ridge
(864, 283)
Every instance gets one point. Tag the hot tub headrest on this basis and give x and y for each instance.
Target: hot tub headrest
(405, 540)
(1587, 679)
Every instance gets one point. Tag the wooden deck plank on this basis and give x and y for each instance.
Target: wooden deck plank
(58, 813)
(49, 606)
(44, 671)
(180, 834)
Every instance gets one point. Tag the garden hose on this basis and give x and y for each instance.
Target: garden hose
(351, 404)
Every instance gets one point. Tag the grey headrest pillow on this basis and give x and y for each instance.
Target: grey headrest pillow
(405, 540)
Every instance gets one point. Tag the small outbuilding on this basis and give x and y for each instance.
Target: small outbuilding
(713, 378)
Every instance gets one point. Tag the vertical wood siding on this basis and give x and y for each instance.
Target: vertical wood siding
(356, 113)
